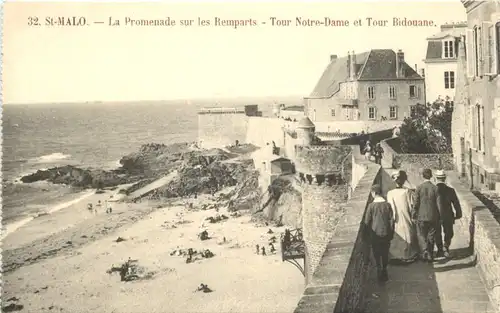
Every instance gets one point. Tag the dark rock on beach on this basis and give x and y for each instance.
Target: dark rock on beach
(77, 177)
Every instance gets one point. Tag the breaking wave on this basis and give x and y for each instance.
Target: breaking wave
(50, 158)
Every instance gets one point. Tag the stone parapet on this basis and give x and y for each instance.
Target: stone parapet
(320, 159)
(322, 180)
(221, 111)
(484, 232)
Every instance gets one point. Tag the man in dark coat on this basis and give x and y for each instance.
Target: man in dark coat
(449, 210)
(426, 214)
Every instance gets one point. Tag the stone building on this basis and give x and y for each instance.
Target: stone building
(441, 62)
(476, 121)
(368, 86)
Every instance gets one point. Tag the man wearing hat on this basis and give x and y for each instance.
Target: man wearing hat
(425, 213)
(447, 201)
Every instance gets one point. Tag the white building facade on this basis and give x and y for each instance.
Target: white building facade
(441, 62)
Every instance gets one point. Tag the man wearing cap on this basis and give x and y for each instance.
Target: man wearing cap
(449, 210)
(426, 214)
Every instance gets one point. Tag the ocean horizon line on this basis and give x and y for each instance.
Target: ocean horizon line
(167, 101)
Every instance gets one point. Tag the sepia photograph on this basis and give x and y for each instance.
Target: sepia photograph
(273, 157)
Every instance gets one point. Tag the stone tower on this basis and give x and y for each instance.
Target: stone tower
(324, 193)
(305, 132)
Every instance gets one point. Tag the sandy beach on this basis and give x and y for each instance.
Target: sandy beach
(59, 262)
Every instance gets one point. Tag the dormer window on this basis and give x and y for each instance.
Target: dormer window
(448, 49)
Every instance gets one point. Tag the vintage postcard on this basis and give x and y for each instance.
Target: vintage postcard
(251, 156)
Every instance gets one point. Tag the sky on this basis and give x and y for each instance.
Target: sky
(98, 62)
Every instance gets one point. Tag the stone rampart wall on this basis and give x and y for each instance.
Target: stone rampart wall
(263, 130)
(340, 281)
(413, 163)
(484, 232)
(217, 130)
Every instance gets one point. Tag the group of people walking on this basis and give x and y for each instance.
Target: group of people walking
(374, 153)
(409, 223)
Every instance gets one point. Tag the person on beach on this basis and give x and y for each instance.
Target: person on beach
(426, 214)
(379, 222)
(404, 245)
(447, 201)
(98, 205)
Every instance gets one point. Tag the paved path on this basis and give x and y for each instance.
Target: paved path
(152, 186)
(441, 287)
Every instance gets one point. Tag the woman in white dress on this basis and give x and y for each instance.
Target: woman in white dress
(404, 246)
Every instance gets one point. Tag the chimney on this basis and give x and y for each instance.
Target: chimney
(333, 57)
(400, 60)
(352, 66)
(416, 68)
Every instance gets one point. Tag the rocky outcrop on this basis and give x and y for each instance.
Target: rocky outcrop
(152, 159)
(77, 177)
(205, 177)
(199, 171)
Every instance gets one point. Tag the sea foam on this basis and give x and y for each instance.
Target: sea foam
(12, 227)
(50, 158)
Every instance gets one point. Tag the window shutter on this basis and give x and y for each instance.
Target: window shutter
(494, 52)
(487, 52)
(469, 52)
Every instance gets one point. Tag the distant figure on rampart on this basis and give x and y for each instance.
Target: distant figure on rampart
(367, 150)
(395, 131)
(379, 221)
(378, 153)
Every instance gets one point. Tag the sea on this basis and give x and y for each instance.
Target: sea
(40, 136)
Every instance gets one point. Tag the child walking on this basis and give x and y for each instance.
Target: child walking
(379, 221)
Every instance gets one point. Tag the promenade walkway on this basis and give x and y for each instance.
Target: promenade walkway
(452, 286)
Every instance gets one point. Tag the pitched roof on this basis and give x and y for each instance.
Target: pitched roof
(376, 64)
(335, 73)
(305, 123)
(435, 45)
(434, 50)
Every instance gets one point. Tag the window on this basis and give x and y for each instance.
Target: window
(478, 127)
(349, 113)
(392, 92)
(476, 51)
(413, 91)
(332, 112)
(449, 47)
(393, 113)
(372, 113)
(371, 92)
(413, 111)
(449, 80)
